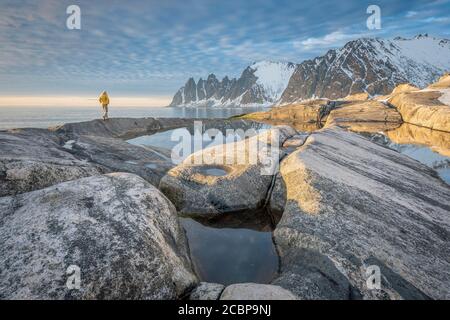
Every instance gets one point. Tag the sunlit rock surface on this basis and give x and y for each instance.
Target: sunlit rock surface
(356, 97)
(442, 83)
(255, 291)
(228, 177)
(119, 230)
(425, 108)
(295, 141)
(354, 111)
(305, 112)
(368, 116)
(404, 87)
(352, 203)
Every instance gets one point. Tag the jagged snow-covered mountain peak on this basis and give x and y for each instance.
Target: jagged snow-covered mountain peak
(261, 83)
(371, 65)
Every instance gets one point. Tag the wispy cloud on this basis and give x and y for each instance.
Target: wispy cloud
(411, 14)
(151, 47)
(333, 39)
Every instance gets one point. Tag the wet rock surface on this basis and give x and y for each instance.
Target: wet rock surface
(120, 231)
(350, 202)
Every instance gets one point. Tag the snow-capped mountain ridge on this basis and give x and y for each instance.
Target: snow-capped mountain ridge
(371, 65)
(261, 83)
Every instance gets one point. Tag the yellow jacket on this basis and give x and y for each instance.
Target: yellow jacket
(104, 99)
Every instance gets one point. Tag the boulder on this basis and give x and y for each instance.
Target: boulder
(207, 291)
(423, 108)
(32, 159)
(226, 178)
(256, 291)
(124, 128)
(366, 116)
(119, 231)
(352, 204)
(305, 112)
(120, 156)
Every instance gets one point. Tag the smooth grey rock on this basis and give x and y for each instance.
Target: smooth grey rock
(207, 291)
(118, 155)
(124, 128)
(102, 142)
(256, 291)
(121, 232)
(32, 159)
(351, 204)
(237, 185)
(277, 200)
(295, 141)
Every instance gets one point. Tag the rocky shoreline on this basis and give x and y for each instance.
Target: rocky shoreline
(79, 194)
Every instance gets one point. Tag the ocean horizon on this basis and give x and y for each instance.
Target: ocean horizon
(44, 117)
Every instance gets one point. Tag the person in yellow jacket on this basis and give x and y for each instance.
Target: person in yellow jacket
(104, 101)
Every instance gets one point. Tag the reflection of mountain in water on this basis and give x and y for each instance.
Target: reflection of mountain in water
(438, 141)
(426, 154)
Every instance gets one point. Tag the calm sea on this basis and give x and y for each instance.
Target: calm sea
(42, 117)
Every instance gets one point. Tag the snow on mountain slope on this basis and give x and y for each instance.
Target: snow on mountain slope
(261, 83)
(273, 77)
(369, 65)
(433, 51)
(431, 55)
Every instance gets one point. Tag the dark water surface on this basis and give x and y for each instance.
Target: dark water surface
(224, 251)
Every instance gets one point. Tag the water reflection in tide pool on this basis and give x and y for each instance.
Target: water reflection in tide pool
(422, 153)
(167, 140)
(224, 253)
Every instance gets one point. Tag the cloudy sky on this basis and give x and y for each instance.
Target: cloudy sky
(150, 48)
